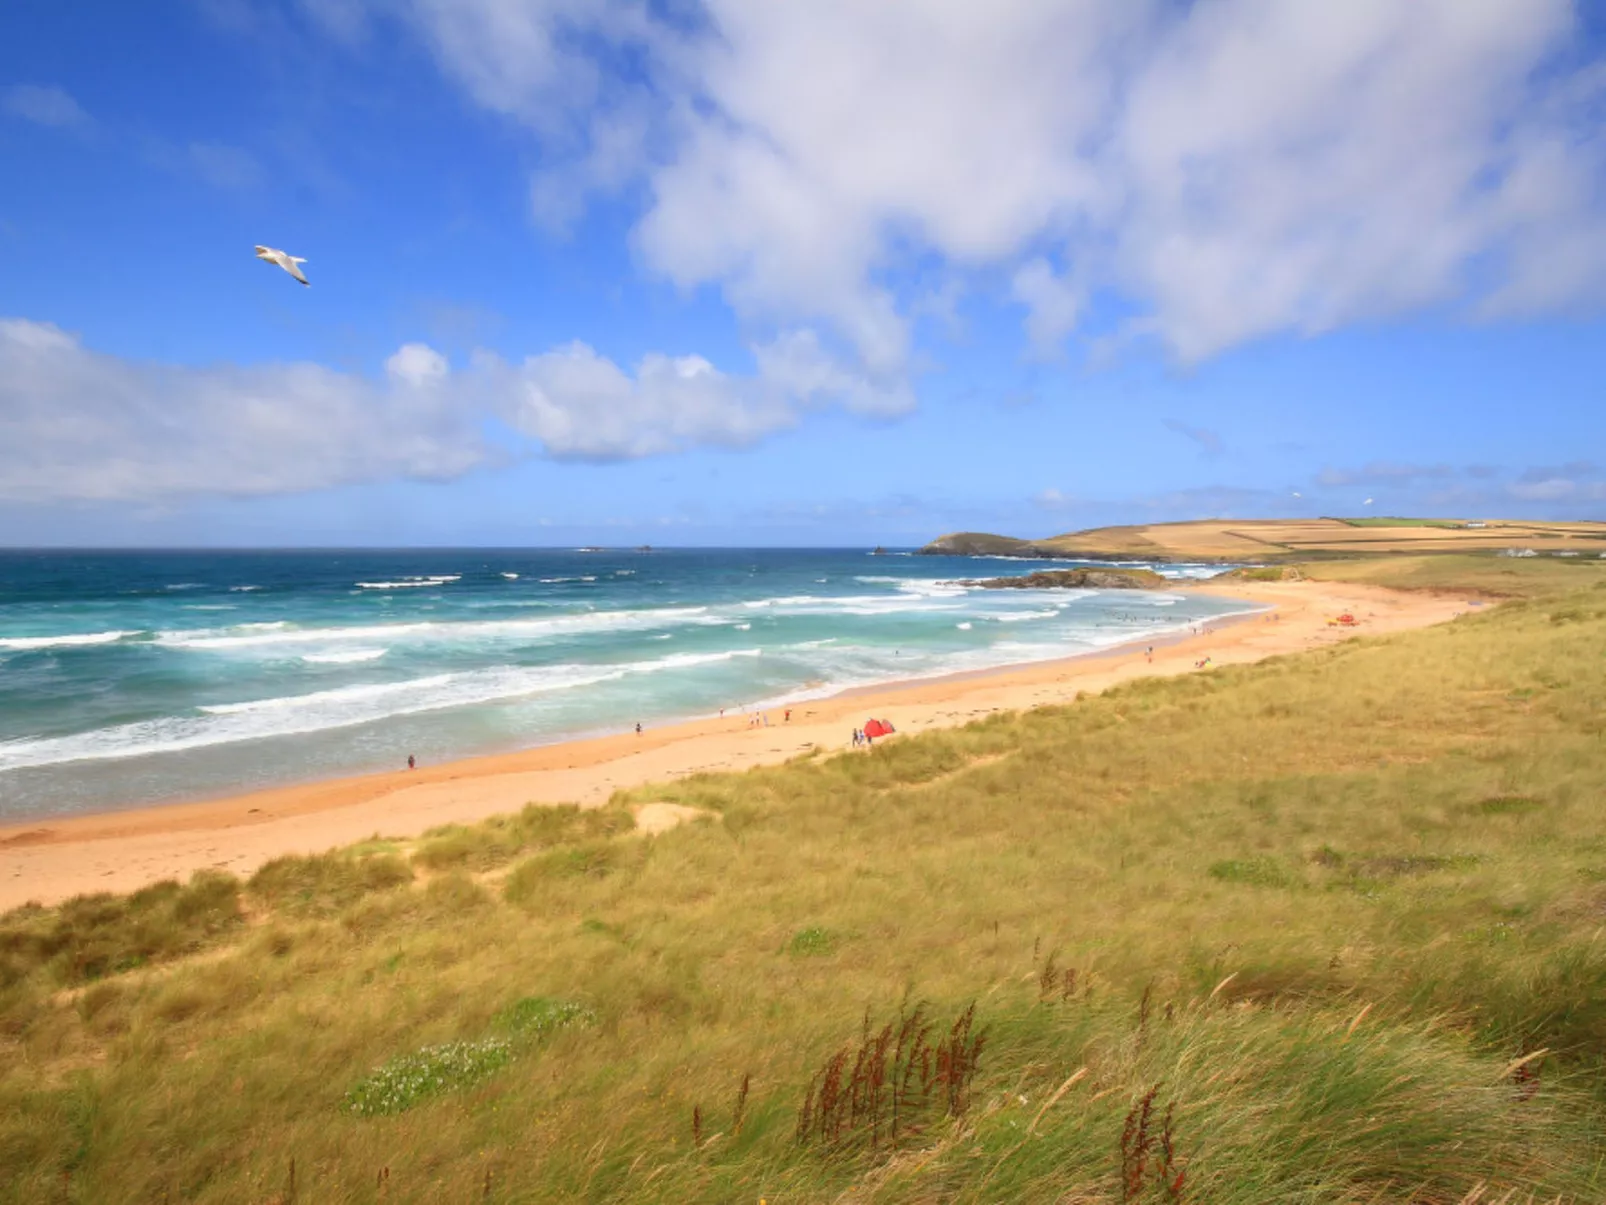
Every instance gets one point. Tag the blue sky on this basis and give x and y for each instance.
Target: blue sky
(828, 273)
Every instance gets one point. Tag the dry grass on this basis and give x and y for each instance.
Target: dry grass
(1258, 539)
(1335, 918)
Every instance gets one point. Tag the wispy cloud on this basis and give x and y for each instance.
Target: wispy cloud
(224, 166)
(43, 104)
(1383, 473)
(1578, 481)
(1215, 502)
(1209, 442)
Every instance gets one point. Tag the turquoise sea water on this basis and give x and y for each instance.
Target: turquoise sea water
(131, 678)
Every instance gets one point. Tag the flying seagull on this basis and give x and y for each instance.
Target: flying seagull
(287, 262)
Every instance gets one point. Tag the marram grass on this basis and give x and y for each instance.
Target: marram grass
(1324, 930)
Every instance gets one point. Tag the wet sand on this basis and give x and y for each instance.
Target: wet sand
(55, 858)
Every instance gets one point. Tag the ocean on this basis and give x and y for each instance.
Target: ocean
(130, 678)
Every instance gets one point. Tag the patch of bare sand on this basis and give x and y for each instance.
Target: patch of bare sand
(654, 818)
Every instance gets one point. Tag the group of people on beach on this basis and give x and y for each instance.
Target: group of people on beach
(762, 719)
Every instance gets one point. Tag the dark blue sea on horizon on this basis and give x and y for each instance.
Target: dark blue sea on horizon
(129, 678)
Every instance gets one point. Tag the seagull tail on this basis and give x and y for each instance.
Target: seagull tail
(298, 259)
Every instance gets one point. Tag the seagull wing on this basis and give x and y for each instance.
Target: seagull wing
(288, 262)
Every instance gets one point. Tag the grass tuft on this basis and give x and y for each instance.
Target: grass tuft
(1256, 872)
(328, 883)
(812, 942)
(97, 935)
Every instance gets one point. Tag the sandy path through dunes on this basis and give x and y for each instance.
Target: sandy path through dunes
(52, 859)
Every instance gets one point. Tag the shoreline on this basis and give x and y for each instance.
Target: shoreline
(49, 859)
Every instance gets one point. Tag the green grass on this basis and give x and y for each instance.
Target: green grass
(409, 1079)
(812, 941)
(539, 1016)
(1314, 911)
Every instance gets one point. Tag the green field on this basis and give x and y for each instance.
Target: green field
(1331, 928)
(1391, 521)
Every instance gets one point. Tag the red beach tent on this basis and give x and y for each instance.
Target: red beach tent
(875, 728)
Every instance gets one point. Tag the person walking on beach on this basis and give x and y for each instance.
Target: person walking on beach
(638, 728)
(410, 762)
(1150, 653)
(788, 718)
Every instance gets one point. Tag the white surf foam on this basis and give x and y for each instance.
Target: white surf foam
(413, 583)
(344, 707)
(353, 657)
(249, 636)
(21, 643)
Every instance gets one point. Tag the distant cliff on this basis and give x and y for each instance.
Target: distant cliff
(978, 543)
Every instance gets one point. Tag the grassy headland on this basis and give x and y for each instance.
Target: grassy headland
(1323, 929)
(1272, 540)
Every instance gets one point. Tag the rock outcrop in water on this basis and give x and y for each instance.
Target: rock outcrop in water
(1077, 579)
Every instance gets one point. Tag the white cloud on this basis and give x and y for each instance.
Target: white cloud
(47, 105)
(1054, 305)
(582, 405)
(1224, 170)
(79, 424)
(76, 424)
(418, 365)
(797, 364)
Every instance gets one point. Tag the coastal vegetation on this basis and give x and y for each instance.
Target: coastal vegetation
(1323, 929)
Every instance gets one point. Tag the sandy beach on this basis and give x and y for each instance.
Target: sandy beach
(57, 858)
